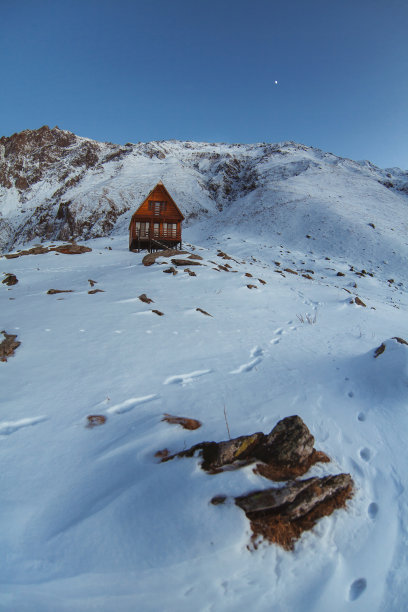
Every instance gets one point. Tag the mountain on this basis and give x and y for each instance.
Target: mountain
(55, 185)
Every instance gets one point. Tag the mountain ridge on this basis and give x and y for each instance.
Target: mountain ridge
(55, 185)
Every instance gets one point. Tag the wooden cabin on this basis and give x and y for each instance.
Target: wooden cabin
(157, 222)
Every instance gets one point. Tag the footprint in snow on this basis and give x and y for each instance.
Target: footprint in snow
(365, 454)
(361, 416)
(10, 427)
(357, 588)
(256, 358)
(184, 379)
(372, 510)
(131, 403)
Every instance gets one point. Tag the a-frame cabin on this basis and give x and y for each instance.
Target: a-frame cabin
(157, 222)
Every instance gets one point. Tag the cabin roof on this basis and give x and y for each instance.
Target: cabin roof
(163, 188)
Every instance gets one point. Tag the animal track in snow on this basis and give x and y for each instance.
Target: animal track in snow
(131, 403)
(256, 358)
(365, 454)
(9, 427)
(372, 510)
(184, 379)
(357, 588)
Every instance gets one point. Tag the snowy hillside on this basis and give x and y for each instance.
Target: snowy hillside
(91, 520)
(298, 306)
(55, 185)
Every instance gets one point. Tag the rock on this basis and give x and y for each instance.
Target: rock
(204, 312)
(93, 291)
(290, 443)
(287, 452)
(54, 291)
(10, 280)
(150, 258)
(8, 345)
(93, 420)
(72, 249)
(161, 314)
(143, 298)
(170, 271)
(252, 287)
(190, 272)
(185, 262)
(290, 270)
(185, 422)
(216, 455)
(281, 514)
(359, 302)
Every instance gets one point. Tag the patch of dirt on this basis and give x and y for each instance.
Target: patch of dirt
(263, 282)
(290, 270)
(161, 314)
(8, 345)
(143, 298)
(92, 291)
(194, 256)
(94, 420)
(252, 287)
(307, 276)
(204, 312)
(54, 291)
(248, 274)
(185, 422)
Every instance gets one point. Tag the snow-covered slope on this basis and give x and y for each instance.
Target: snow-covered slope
(55, 185)
(90, 519)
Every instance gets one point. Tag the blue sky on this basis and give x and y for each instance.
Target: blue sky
(129, 71)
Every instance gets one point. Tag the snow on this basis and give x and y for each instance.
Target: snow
(92, 521)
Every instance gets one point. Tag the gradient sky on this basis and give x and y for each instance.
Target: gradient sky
(129, 71)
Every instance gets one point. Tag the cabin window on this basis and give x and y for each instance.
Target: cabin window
(157, 207)
(142, 228)
(156, 229)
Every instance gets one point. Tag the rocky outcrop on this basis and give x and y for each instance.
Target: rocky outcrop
(280, 514)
